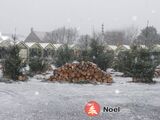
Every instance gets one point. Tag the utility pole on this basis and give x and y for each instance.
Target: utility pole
(102, 29)
(14, 37)
(147, 32)
(147, 23)
(102, 39)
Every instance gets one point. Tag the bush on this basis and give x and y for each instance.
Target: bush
(143, 65)
(84, 56)
(98, 55)
(137, 63)
(3, 52)
(122, 63)
(37, 65)
(64, 55)
(13, 63)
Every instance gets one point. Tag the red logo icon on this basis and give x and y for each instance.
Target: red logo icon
(92, 108)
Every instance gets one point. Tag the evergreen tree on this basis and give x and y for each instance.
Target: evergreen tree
(99, 56)
(13, 63)
(148, 36)
(138, 63)
(64, 55)
(142, 64)
(84, 55)
(122, 62)
(37, 65)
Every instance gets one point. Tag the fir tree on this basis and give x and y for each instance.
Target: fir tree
(64, 55)
(13, 63)
(122, 63)
(37, 65)
(137, 63)
(142, 65)
(99, 56)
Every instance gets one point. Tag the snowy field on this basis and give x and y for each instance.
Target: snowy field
(35, 100)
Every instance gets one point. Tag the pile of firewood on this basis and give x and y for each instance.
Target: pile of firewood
(157, 72)
(76, 72)
(22, 78)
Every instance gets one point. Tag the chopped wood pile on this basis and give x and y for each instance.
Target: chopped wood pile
(75, 72)
(157, 71)
(22, 78)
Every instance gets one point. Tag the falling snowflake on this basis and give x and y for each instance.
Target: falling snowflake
(117, 91)
(69, 20)
(78, 28)
(134, 18)
(89, 19)
(153, 11)
(36, 93)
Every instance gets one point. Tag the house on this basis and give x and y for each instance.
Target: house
(38, 37)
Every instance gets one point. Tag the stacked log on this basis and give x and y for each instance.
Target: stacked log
(22, 78)
(157, 73)
(75, 72)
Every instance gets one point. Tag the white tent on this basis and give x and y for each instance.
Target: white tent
(110, 47)
(5, 43)
(47, 46)
(155, 48)
(123, 48)
(57, 46)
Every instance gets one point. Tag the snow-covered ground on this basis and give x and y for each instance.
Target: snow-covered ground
(35, 100)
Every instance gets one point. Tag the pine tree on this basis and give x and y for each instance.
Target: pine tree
(13, 63)
(142, 64)
(99, 56)
(148, 36)
(122, 63)
(84, 56)
(64, 55)
(137, 63)
(37, 65)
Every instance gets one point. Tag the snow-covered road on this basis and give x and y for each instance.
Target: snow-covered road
(35, 100)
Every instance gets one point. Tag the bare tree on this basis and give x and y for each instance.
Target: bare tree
(63, 35)
(84, 42)
(131, 34)
(148, 36)
(115, 37)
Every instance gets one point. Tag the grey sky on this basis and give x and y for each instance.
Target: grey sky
(46, 15)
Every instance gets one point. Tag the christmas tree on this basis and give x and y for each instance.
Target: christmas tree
(13, 63)
(142, 65)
